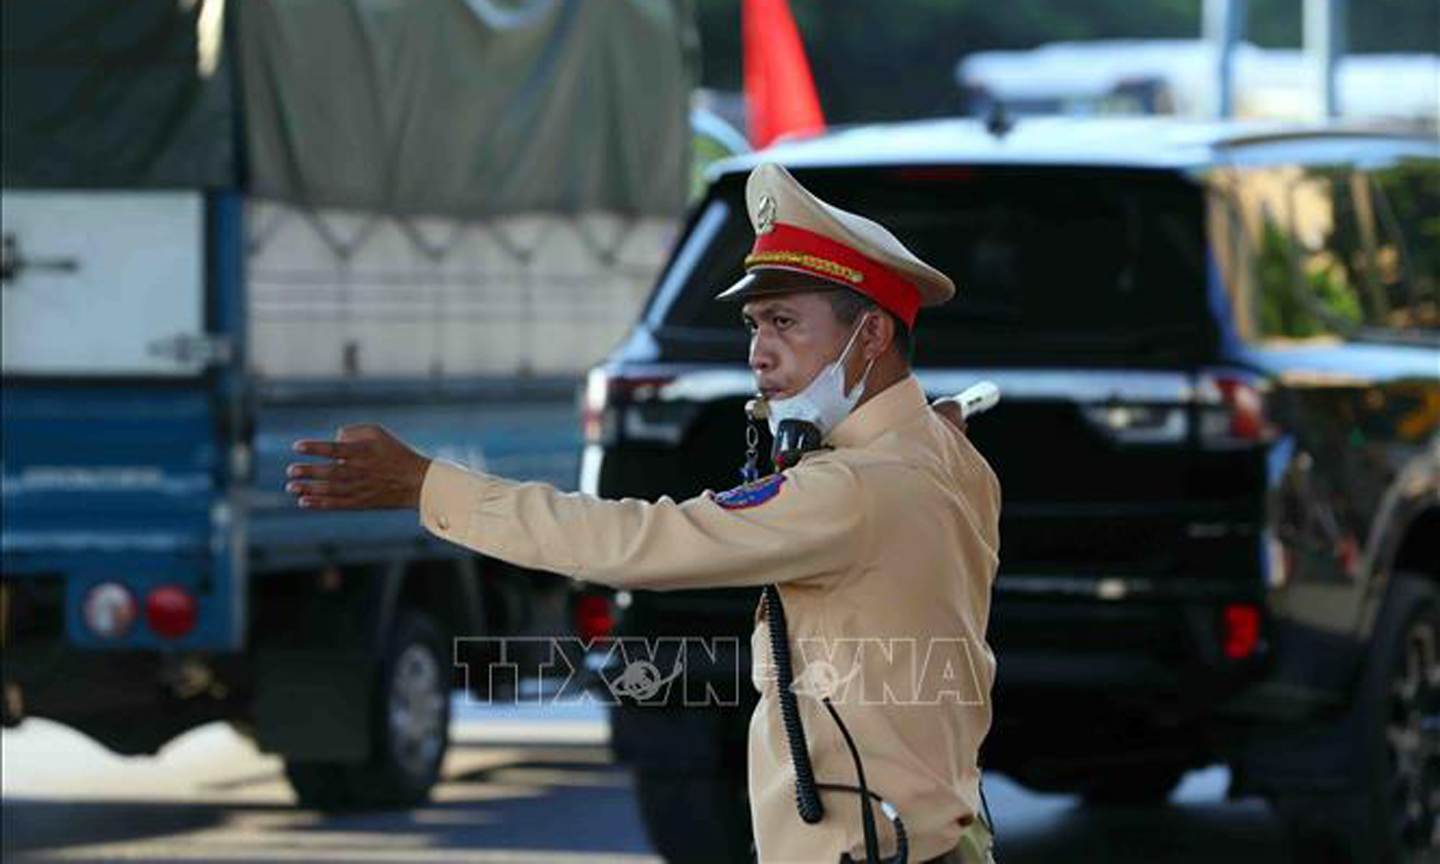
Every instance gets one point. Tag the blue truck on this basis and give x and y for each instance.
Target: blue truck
(253, 237)
(156, 577)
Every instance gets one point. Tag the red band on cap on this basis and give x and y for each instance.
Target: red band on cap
(798, 249)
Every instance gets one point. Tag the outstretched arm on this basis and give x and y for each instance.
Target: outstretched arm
(806, 523)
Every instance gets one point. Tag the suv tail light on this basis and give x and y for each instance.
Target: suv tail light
(1230, 411)
(631, 406)
(593, 403)
(594, 617)
(616, 405)
(1225, 408)
(1240, 631)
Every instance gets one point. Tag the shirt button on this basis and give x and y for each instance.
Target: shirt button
(444, 523)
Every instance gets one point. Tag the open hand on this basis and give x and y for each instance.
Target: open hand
(372, 470)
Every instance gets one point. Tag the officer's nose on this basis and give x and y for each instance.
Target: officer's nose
(762, 359)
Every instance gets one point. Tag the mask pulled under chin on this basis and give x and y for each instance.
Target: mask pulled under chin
(824, 402)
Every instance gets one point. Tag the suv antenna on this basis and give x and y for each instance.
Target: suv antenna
(997, 120)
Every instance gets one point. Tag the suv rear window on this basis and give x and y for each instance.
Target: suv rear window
(1046, 261)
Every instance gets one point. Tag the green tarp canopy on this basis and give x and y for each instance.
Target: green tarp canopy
(464, 108)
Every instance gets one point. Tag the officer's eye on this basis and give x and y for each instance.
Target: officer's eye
(782, 322)
(749, 323)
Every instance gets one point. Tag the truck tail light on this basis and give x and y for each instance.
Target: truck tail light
(594, 617)
(1240, 631)
(1231, 411)
(170, 611)
(109, 610)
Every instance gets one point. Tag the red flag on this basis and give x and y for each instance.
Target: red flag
(779, 92)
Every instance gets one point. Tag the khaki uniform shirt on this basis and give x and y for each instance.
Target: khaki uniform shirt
(884, 549)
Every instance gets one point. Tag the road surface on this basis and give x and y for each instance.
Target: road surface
(521, 785)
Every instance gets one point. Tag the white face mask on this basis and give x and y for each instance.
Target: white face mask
(824, 401)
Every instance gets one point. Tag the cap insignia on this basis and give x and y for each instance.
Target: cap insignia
(765, 215)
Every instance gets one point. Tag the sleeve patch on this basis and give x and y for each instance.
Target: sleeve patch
(751, 494)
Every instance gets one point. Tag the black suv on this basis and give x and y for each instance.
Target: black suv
(1219, 446)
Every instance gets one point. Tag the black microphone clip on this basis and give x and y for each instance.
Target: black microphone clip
(793, 439)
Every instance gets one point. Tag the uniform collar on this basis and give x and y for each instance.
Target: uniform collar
(886, 410)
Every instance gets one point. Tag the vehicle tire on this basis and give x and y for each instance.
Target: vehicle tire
(1390, 813)
(1132, 786)
(320, 785)
(669, 803)
(410, 732)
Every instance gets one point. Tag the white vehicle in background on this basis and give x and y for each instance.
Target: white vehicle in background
(1174, 76)
(716, 120)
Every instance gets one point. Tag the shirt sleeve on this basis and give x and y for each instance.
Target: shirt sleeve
(807, 523)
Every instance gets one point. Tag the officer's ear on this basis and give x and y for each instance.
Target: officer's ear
(877, 333)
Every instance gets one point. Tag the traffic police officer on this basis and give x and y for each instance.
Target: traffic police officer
(883, 544)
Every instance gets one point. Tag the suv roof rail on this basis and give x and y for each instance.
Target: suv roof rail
(1280, 136)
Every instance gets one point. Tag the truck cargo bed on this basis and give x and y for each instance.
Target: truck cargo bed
(525, 431)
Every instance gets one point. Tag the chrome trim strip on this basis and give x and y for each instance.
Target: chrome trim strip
(1083, 386)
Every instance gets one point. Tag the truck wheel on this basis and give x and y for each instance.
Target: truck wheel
(410, 730)
(1391, 813)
